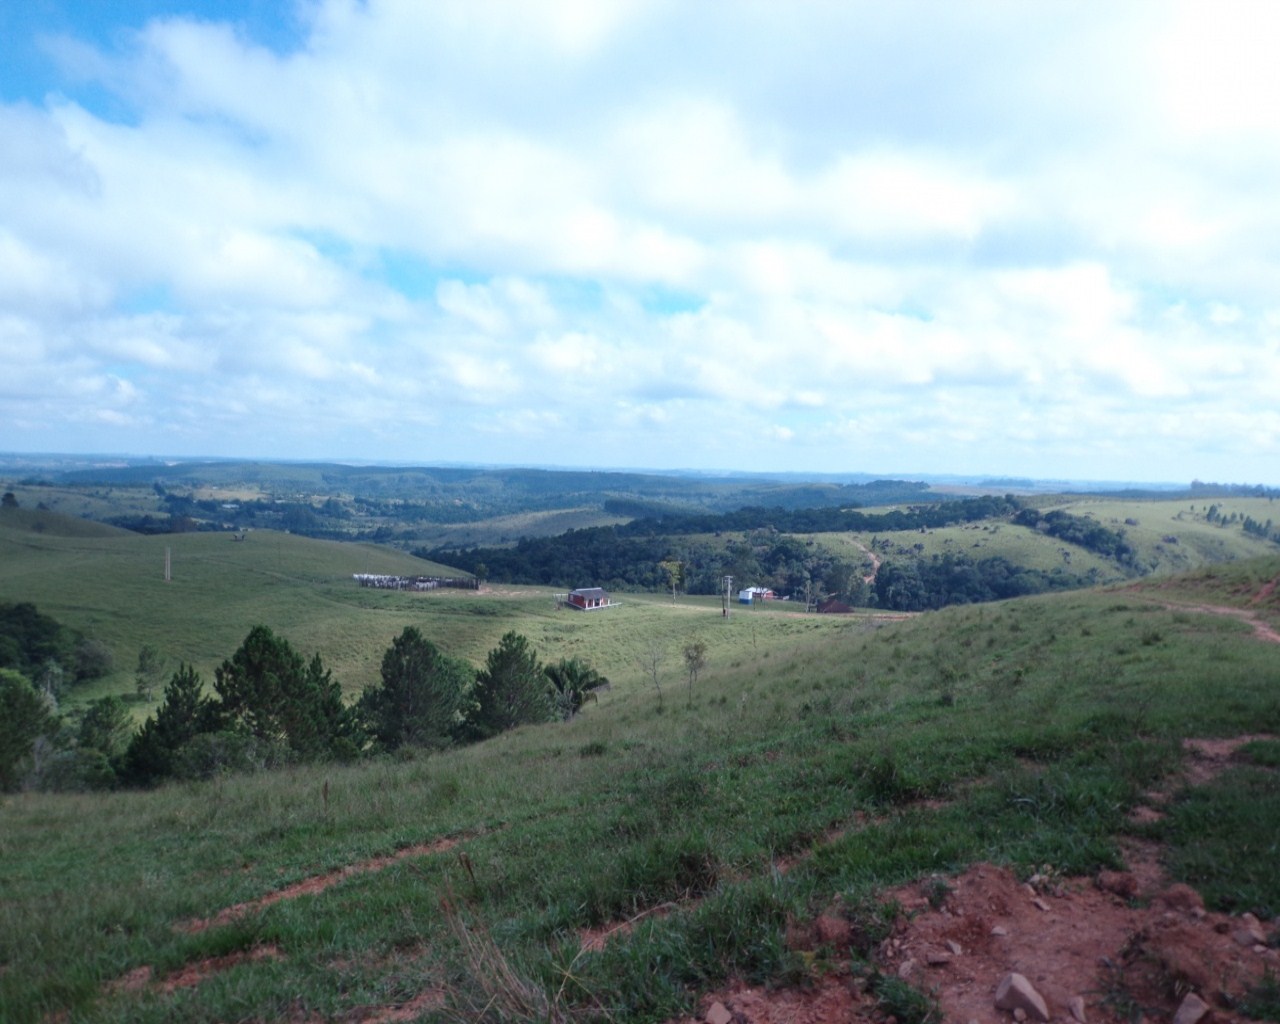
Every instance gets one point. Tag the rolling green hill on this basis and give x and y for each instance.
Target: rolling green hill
(110, 585)
(1174, 536)
(810, 768)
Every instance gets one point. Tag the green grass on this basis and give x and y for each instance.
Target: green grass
(110, 585)
(1020, 733)
(1226, 840)
(1263, 1000)
(1168, 535)
(85, 502)
(503, 530)
(1148, 523)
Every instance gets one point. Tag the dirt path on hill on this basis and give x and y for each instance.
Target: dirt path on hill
(1262, 630)
(317, 883)
(192, 974)
(875, 563)
(1111, 949)
(1267, 590)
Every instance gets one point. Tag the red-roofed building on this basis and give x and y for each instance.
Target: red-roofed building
(588, 599)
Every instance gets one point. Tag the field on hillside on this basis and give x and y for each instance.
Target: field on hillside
(1173, 536)
(500, 530)
(620, 865)
(1018, 544)
(110, 585)
(87, 502)
(1170, 535)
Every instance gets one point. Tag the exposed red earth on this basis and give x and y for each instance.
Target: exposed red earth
(1112, 949)
(315, 884)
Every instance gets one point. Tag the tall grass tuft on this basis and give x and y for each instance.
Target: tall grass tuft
(493, 990)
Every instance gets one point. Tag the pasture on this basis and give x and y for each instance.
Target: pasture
(810, 768)
(110, 585)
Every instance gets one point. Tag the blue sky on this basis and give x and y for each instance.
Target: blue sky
(920, 237)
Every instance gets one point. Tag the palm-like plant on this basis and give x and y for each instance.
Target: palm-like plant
(571, 681)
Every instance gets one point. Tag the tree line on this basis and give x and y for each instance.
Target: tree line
(631, 556)
(1081, 531)
(915, 585)
(269, 706)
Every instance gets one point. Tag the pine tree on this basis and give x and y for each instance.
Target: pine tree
(267, 690)
(184, 713)
(422, 698)
(511, 689)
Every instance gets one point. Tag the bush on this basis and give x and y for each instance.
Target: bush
(227, 752)
(25, 716)
(93, 659)
(80, 770)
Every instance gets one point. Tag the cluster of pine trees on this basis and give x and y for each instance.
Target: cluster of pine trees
(269, 706)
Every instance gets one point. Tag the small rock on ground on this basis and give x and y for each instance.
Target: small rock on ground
(1016, 993)
(1191, 1010)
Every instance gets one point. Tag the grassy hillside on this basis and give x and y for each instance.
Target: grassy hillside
(509, 529)
(810, 768)
(54, 524)
(1173, 536)
(110, 585)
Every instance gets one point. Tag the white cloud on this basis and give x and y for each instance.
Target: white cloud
(916, 236)
(893, 194)
(1216, 64)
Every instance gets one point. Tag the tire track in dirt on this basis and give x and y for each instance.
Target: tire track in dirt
(319, 883)
(190, 975)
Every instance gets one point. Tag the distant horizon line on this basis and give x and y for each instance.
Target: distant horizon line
(48, 458)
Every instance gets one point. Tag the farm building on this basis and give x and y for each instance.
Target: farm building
(752, 594)
(588, 599)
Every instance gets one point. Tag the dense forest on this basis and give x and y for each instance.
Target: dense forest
(915, 585)
(759, 546)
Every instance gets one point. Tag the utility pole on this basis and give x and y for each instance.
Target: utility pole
(728, 590)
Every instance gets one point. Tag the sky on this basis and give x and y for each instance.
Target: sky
(979, 238)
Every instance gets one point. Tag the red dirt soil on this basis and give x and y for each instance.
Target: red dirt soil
(1117, 944)
(315, 884)
(1121, 944)
(194, 973)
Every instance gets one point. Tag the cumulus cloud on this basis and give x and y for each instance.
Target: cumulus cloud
(907, 237)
